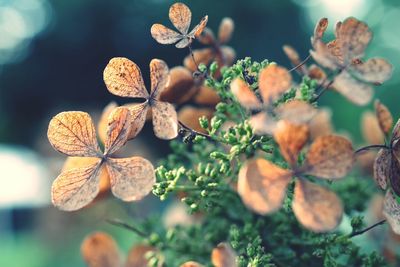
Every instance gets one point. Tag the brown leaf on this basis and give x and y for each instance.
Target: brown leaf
(123, 78)
(181, 16)
(262, 185)
(382, 167)
(131, 178)
(273, 82)
(375, 70)
(138, 118)
(391, 210)
(181, 86)
(244, 94)
(73, 134)
(159, 75)
(291, 139)
(315, 207)
(321, 124)
(164, 35)
(320, 29)
(225, 30)
(296, 111)
(81, 162)
(103, 122)
(100, 250)
(223, 256)
(191, 264)
(118, 130)
(165, 121)
(357, 92)
(384, 116)
(75, 188)
(353, 37)
(190, 117)
(262, 124)
(206, 96)
(330, 157)
(137, 256)
(370, 128)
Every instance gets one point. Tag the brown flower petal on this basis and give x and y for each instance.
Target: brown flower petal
(202, 56)
(320, 29)
(273, 82)
(357, 92)
(100, 250)
(190, 117)
(159, 75)
(382, 167)
(165, 121)
(73, 134)
(296, 111)
(262, 124)
(118, 130)
(131, 178)
(207, 37)
(316, 73)
(330, 157)
(370, 128)
(199, 28)
(191, 264)
(181, 86)
(396, 133)
(181, 16)
(321, 124)
(229, 56)
(206, 96)
(225, 30)
(394, 175)
(123, 78)
(75, 188)
(291, 138)
(244, 94)
(137, 256)
(294, 59)
(164, 35)
(316, 208)
(223, 256)
(375, 70)
(391, 210)
(384, 116)
(103, 122)
(262, 185)
(324, 56)
(138, 118)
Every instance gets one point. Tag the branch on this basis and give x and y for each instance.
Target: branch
(356, 233)
(122, 224)
(300, 64)
(192, 131)
(365, 148)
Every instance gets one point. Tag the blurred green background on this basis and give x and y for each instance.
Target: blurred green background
(52, 55)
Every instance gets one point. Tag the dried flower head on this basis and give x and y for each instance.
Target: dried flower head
(123, 78)
(344, 55)
(73, 134)
(221, 256)
(180, 16)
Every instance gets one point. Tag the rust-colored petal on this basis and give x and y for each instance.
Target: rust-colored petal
(262, 185)
(296, 111)
(384, 116)
(357, 92)
(321, 124)
(394, 175)
(370, 128)
(202, 56)
(320, 29)
(137, 256)
(294, 59)
(262, 124)
(181, 86)
(199, 28)
(164, 35)
(374, 70)
(391, 210)
(316, 73)
(207, 37)
(118, 130)
(229, 55)
(225, 30)
(396, 133)
(159, 75)
(191, 264)
(323, 55)
(123, 78)
(223, 256)
(382, 167)
(73, 134)
(190, 117)
(330, 157)
(138, 118)
(273, 81)
(165, 120)
(100, 250)
(291, 139)
(244, 94)
(181, 16)
(103, 122)
(206, 96)
(315, 207)
(75, 188)
(131, 178)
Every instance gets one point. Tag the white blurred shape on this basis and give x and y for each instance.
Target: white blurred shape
(24, 179)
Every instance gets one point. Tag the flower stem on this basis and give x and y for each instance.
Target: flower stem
(300, 64)
(122, 224)
(356, 233)
(365, 148)
(192, 131)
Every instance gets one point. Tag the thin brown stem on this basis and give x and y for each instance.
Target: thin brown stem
(356, 233)
(192, 55)
(122, 224)
(300, 64)
(365, 148)
(324, 89)
(187, 128)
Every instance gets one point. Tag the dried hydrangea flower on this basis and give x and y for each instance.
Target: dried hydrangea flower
(262, 185)
(123, 78)
(344, 55)
(73, 134)
(180, 16)
(221, 256)
(273, 82)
